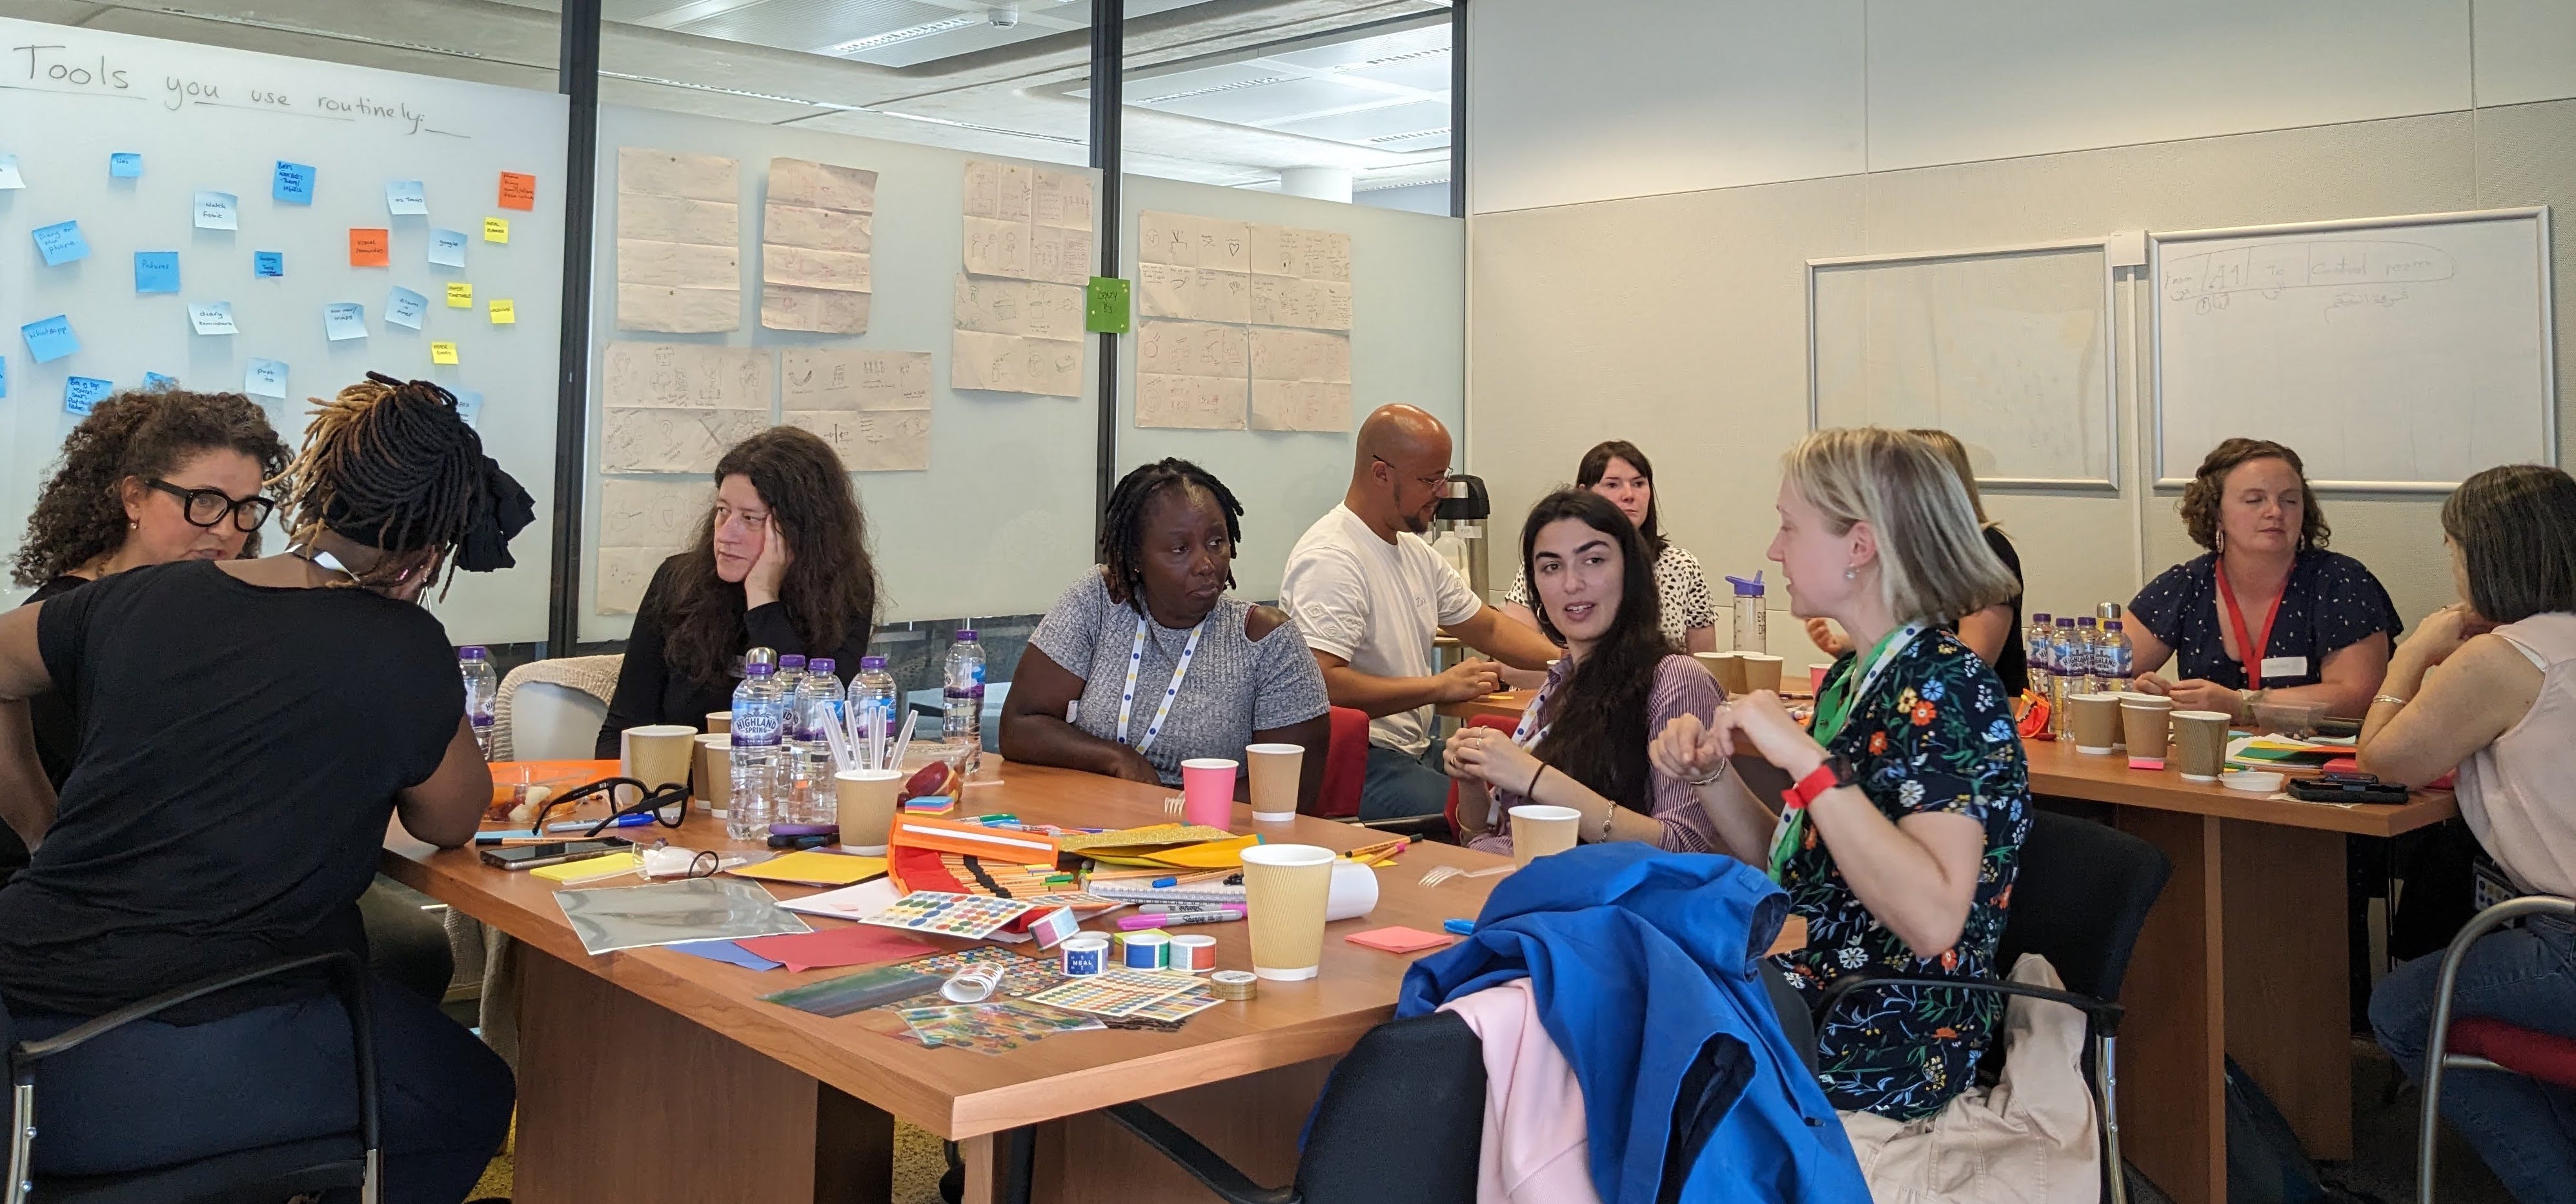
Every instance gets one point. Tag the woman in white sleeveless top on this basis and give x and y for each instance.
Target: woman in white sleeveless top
(2503, 710)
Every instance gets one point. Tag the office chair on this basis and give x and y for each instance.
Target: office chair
(2480, 1043)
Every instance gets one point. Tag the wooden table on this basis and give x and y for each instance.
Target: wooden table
(651, 1075)
(2245, 953)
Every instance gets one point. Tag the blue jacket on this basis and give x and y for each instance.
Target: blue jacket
(1643, 964)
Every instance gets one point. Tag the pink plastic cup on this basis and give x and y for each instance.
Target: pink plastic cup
(1207, 791)
(1816, 678)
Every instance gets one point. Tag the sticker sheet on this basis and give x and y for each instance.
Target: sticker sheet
(972, 917)
(990, 1027)
(1119, 992)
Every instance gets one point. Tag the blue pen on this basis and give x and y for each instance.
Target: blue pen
(1159, 883)
(1458, 927)
(637, 820)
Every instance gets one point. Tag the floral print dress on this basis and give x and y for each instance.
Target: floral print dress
(1934, 734)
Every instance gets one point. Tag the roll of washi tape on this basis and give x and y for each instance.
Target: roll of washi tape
(1052, 927)
(1148, 951)
(1234, 984)
(1196, 954)
(1086, 955)
(974, 984)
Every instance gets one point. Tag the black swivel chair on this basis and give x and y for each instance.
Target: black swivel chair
(265, 1175)
(2079, 900)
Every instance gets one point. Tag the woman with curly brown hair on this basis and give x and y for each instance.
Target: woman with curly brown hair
(2320, 625)
(781, 562)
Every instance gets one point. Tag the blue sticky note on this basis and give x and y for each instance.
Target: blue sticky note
(61, 243)
(268, 263)
(218, 211)
(156, 271)
(82, 393)
(447, 248)
(212, 317)
(265, 378)
(9, 177)
(50, 339)
(344, 320)
(404, 307)
(726, 952)
(294, 183)
(125, 165)
(404, 197)
(4, 376)
(154, 380)
(469, 406)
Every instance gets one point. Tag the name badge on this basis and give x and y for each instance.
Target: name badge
(2284, 666)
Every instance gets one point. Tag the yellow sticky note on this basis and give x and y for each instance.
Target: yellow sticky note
(814, 868)
(591, 867)
(442, 353)
(496, 229)
(460, 295)
(505, 312)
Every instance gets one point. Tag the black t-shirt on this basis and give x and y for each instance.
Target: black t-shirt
(2014, 665)
(650, 690)
(240, 748)
(2331, 602)
(57, 739)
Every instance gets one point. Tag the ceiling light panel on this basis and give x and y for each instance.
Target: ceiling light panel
(1412, 126)
(814, 24)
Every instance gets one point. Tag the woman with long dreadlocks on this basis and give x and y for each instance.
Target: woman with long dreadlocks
(1165, 668)
(247, 728)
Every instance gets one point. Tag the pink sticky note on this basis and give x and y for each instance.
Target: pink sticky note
(1398, 939)
(856, 945)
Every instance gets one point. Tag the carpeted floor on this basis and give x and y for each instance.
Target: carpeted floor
(919, 1160)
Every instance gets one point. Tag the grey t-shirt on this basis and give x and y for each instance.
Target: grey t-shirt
(1235, 686)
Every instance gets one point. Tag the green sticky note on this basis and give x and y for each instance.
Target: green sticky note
(1105, 308)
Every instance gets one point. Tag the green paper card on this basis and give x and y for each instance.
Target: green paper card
(1106, 305)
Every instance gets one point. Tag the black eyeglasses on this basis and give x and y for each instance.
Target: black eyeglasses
(206, 507)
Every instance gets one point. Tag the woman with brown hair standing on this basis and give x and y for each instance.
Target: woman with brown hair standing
(781, 562)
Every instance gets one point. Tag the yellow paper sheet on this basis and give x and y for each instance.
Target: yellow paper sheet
(814, 868)
(591, 867)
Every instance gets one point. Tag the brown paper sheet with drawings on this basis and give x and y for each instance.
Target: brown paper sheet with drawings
(1258, 280)
(873, 440)
(1016, 364)
(1191, 375)
(817, 233)
(1028, 246)
(676, 408)
(641, 523)
(1029, 308)
(1028, 223)
(872, 406)
(680, 220)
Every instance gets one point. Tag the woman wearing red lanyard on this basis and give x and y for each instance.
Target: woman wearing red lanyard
(2321, 622)
(1582, 744)
(1902, 830)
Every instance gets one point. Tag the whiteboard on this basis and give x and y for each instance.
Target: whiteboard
(2007, 348)
(210, 119)
(2397, 354)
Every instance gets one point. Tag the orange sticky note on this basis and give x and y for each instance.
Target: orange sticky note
(505, 312)
(518, 191)
(442, 353)
(1398, 939)
(496, 229)
(460, 294)
(370, 248)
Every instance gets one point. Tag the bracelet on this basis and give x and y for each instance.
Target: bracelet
(1713, 776)
(1532, 793)
(2390, 699)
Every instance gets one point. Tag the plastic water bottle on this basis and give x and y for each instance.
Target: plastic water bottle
(961, 725)
(482, 690)
(2114, 656)
(791, 670)
(816, 706)
(872, 697)
(758, 722)
(1752, 624)
(2034, 650)
(2088, 646)
(2065, 657)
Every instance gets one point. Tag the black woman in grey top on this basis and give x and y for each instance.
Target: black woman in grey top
(1144, 662)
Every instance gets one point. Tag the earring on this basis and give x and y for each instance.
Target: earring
(1852, 573)
(133, 525)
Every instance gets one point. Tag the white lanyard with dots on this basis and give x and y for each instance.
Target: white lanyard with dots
(1135, 663)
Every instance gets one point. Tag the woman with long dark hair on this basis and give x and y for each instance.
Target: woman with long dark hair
(1618, 471)
(1583, 742)
(781, 562)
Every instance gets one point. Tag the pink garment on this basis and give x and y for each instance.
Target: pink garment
(1682, 687)
(2513, 792)
(1535, 1147)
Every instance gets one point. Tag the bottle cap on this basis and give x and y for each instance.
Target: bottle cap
(759, 656)
(871, 662)
(1748, 589)
(821, 664)
(2039, 617)
(791, 661)
(758, 669)
(966, 635)
(2066, 622)
(2110, 612)
(472, 652)
(2086, 621)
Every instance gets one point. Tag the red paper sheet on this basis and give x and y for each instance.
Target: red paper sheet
(1398, 939)
(855, 945)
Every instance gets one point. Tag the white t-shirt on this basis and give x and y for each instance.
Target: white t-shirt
(1377, 605)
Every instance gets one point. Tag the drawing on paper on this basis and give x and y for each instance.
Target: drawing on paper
(816, 234)
(679, 226)
(1283, 293)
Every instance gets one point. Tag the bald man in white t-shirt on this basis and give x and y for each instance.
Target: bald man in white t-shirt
(1369, 595)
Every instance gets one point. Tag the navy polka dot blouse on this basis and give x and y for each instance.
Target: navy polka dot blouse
(2332, 602)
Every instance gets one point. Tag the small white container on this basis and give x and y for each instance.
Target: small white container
(2253, 781)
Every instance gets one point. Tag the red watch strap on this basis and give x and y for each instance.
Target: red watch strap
(1818, 780)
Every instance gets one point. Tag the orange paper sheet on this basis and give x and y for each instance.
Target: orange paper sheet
(1399, 939)
(518, 191)
(370, 248)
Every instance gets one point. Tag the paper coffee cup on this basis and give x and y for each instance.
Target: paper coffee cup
(1207, 791)
(2148, 730)
(1726, 667)
(714, 783)
(2200, 744)
(1538, 830)
(2094, 721)
(1284, 891)
(863, 805)
(657, 754)
(1354, 892)
(1761, 670)
(1275, 770)
(719, 723)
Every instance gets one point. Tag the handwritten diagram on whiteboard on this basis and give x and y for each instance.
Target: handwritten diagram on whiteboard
(2008, 349)
(2397, 354)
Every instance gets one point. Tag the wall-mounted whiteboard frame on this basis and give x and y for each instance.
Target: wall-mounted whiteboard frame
(2168, 475)
(2109, 419)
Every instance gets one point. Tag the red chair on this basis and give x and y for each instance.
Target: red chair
(1496, 722)
(1345, 766)
(2479, 1043)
